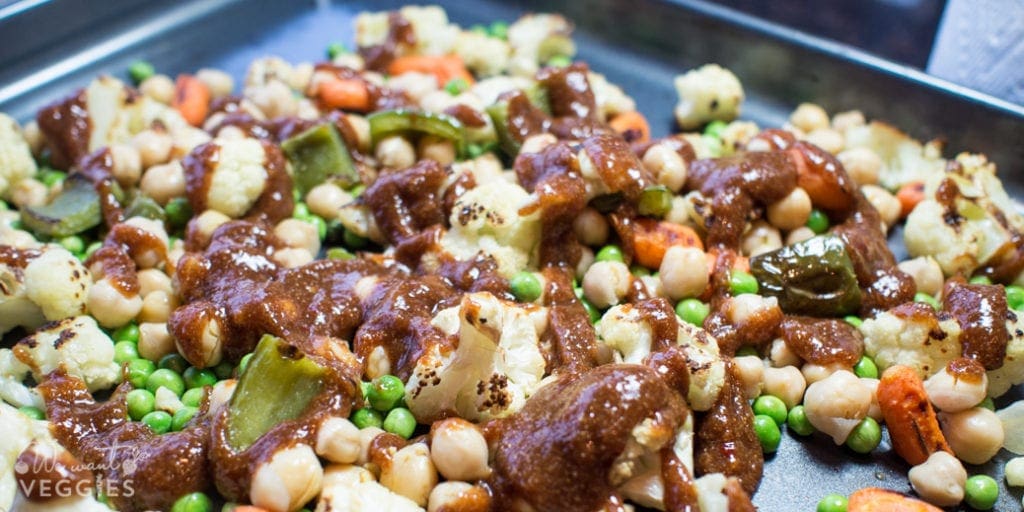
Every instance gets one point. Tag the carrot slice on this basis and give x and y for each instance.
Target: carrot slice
(344, 93)
(443, 67)
(909, 416)
(910, 194)
(634, 122)
(873, 499)
(652, 238)
(191, 99)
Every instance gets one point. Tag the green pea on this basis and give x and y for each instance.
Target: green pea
(741, 282)
(715, 128)
(866, 368)
(693, 311)
(713, 145)
(193, 397)
(981, 492)
(767, 433)
(197, 378)
(178, 211)
(357, 190)
(223, 370)
(747, 350)
(174, 362)
(300, 211)
(817, 221)
(1015, 296)
(158, 421)
(339, 253)
(128, 332)
(385, 392)
(140, 403)
(798, 422)
(525, 286)
(560, 61)
(182, 417)
(988, 403)
(367, 417)
(980, 280)
(833, 503)
(334, 49)
(125, 351)
(194, 502)
(51, 177)
(400, 421)
(479, 29)
(139, 371)
(610, 253)
(74, 244)
(140, 70)
(164, 378)
(771, 406)
(244, 363)
(924, 298)
(865, 436)
(499, 29)
(854, 321)
(32, 412)
(592, 311)
(639, 271)
(456, 86)
(354, 241)
(4, 206)
(93, 247)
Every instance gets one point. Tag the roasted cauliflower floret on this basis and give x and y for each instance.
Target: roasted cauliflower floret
(433, 34)
(904, 159)
(13, 374)
(1012, 371)
(624, 330)
(610, 98)
(17, 431)
(484, 55)
(641, 461)
(16, 162)
(77, 345)
(53, 286)
(708, 93)
(911, 335)
(496, 366)
(352, 488)
(534, 38)
(239, 176)
(487, 219)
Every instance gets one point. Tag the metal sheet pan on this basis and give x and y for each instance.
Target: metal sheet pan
(50, 47)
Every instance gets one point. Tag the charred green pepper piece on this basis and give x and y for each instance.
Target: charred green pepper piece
(499, 117)
(76, 209)
(813, 277)
(277, 385)
(390, 122)
(655, 201)
(144, 206)
(319, 154)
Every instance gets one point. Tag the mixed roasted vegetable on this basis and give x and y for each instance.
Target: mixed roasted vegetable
(454, 270)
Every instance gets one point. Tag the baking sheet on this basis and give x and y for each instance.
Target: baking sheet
(48, 48)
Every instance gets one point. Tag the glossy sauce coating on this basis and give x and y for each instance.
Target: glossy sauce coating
(822, 341)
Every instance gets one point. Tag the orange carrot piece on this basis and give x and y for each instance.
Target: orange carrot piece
(443, 67)
(909, 195)
(909, 416)
(652, 238)
(346, 94)
(823, 187)
(873, 499)
(632, 122)
(191, 99)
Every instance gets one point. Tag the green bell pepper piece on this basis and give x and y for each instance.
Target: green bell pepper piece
(277, 385)
(655, 201)
(813, 277)
(76, 209)
(318, 154)
(390, 122)
(144, 206)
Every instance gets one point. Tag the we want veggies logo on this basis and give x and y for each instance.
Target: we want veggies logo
(44, 478)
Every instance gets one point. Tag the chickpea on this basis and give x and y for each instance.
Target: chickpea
(293, 257)
(827, 139)
(1014, 471)
(210, 344)
(378, 363)
(799, 235)
(683, 272)
(157, 307)
(366, 437)
(127, 168)
(809, 117)
(666, 164)
(306, 109)
(448, 494)
(888, 206)
(975, 435)
(151, 280)
(437, 149)
(787, 383)
(751, 372)
(395, 152)
(939, 480)
(591, 228)
(411, 473)
(586, 260)
(221, 393)
(154, 147)
(606, 283)
(337, 440)
(679, 212)
(110, 307)
(781, 356)
(950, 393)
(326, 199)
(287, 481)
(207, 222)
(350, 60)
(34, 137)
(159, 88)
(361, 127)
(862, 164)
(164, 182)
(790, 212)
(761, 238)
(926, 272)
(218, 82)
(747, 306)
(836, 405)
(29, 192)
(274, 98)
(875, 411)
(298, 234)
(154, 340)
(459, 450)
(850, 119)
(537, 143)
(816, 372)
(301, 76)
